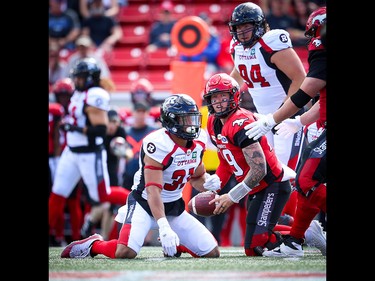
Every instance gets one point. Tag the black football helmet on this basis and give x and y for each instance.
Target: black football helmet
(88, 69)
(180, 115)
(219, 83)
(248, 13)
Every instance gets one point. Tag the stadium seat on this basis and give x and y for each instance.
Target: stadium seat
(223, 31)
(124, 78)
(126, 59)
(134, 36)
(160, 79)
(159, 59)
(138, 14)
(179, 11)
(219, 13)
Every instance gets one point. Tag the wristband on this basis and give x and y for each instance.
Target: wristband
(78, 129)
(238, 192)
(153, 167)
(298, 120)
(154, 183)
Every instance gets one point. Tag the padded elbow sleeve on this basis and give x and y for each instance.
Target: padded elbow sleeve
(97, 131)
(300, 98)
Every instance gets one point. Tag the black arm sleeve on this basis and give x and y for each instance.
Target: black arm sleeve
(97, 131)
(300, 98)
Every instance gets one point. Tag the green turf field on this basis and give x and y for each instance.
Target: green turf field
(150, 264)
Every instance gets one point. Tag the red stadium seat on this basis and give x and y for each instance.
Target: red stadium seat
(134, 36)
(160, 79)
(223, 31)
(124, 78)
(179, 11)
(135, 14)
(126, 59)
(159, 59)
(219, 13)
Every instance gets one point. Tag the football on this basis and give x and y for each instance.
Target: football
(199, 204)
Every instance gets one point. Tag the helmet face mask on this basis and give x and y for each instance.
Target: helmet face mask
(248, 13)
(222, 83)
(180, 115)
(89, 72)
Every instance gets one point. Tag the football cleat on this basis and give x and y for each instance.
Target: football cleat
(291, 247)
(316, 237)
(81, 248)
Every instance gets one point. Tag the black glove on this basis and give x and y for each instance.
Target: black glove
(70, 128)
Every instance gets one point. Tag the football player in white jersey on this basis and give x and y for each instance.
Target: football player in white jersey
(84, 155)
(169, 158)
(265, 60)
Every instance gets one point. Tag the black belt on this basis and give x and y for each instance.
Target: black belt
(85, 149)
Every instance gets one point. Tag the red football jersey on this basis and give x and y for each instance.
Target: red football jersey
(317, 69)
(230, 138)
(55, 113)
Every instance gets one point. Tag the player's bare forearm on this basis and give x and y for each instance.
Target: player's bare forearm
(155, 202)
(257, 161)
(198, 184)
(198, 178)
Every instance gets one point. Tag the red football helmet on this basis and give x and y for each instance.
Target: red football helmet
(315, 22)
(141, 91)
(222, 82)
(63, 86)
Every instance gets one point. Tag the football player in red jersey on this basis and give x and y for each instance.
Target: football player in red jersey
(254, 163)
(311, 173)
(169, 158)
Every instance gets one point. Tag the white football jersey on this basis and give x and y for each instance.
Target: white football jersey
(96, 97)
(179, 162)
(267, 85)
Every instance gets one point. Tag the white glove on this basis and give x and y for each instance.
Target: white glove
(212, 183)
(262, 126)
(168, 238)
(289, 127)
